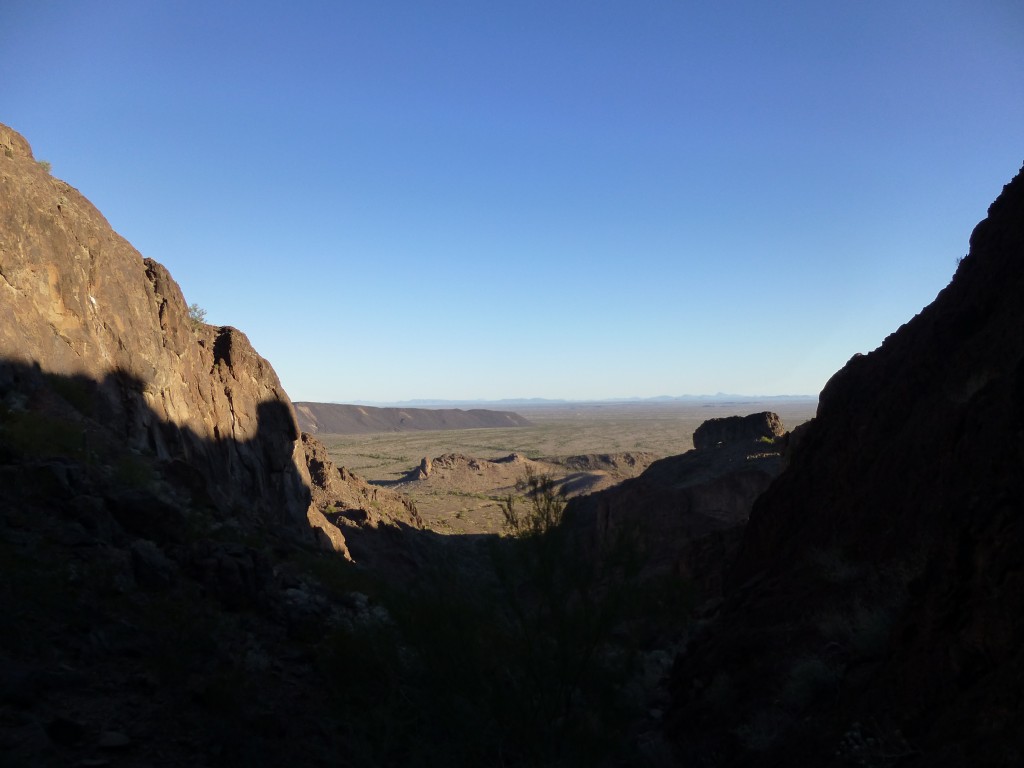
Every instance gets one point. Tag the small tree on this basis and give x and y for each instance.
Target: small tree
(546, 505)
(44, 164)
(197, 315)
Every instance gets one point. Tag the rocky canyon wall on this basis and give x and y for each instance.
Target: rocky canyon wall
(77, 300)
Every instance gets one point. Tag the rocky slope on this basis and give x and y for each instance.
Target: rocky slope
(338, 419)
(875, 612)
(348, 499)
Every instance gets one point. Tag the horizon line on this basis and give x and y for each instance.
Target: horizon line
(414, 402)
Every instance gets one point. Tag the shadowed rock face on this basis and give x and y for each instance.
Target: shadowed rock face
(735, 429)
(133, 603)
(875, 611)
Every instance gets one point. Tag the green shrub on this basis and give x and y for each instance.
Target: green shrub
(544, 511)
(196, 315)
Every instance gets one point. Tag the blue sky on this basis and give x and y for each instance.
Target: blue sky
(578, 199)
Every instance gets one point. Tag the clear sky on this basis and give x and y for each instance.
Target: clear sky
(577, 199)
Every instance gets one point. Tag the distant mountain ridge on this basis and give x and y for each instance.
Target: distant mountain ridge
(340, 419)
(542, 401)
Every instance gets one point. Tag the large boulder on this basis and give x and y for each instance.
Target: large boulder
(738, 429)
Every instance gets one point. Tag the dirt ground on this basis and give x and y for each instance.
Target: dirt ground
(472, 470)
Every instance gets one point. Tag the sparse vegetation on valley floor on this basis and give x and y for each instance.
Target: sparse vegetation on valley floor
(556, 432)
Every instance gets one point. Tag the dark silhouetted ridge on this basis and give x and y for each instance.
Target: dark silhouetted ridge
(875, 611)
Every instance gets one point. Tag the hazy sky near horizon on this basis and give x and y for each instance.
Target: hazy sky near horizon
(579, 199)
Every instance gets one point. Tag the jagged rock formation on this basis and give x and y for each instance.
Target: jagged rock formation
(346, 498)
(734, 429)
(682, 500)
(338, 419)
(426, 467)
(76, 300)
(875, 612)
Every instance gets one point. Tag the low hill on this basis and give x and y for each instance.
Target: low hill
(455, 493)
(337, 419)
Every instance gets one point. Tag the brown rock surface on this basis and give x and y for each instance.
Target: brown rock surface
(875, 612)
(76, 300)
(426, 467)
(347, 498)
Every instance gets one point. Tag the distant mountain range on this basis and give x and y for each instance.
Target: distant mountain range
(541, 401)
(342, 419)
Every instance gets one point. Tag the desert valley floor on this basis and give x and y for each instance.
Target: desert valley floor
(588, 446)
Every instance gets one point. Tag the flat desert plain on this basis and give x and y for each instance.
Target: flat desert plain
(614, 440)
